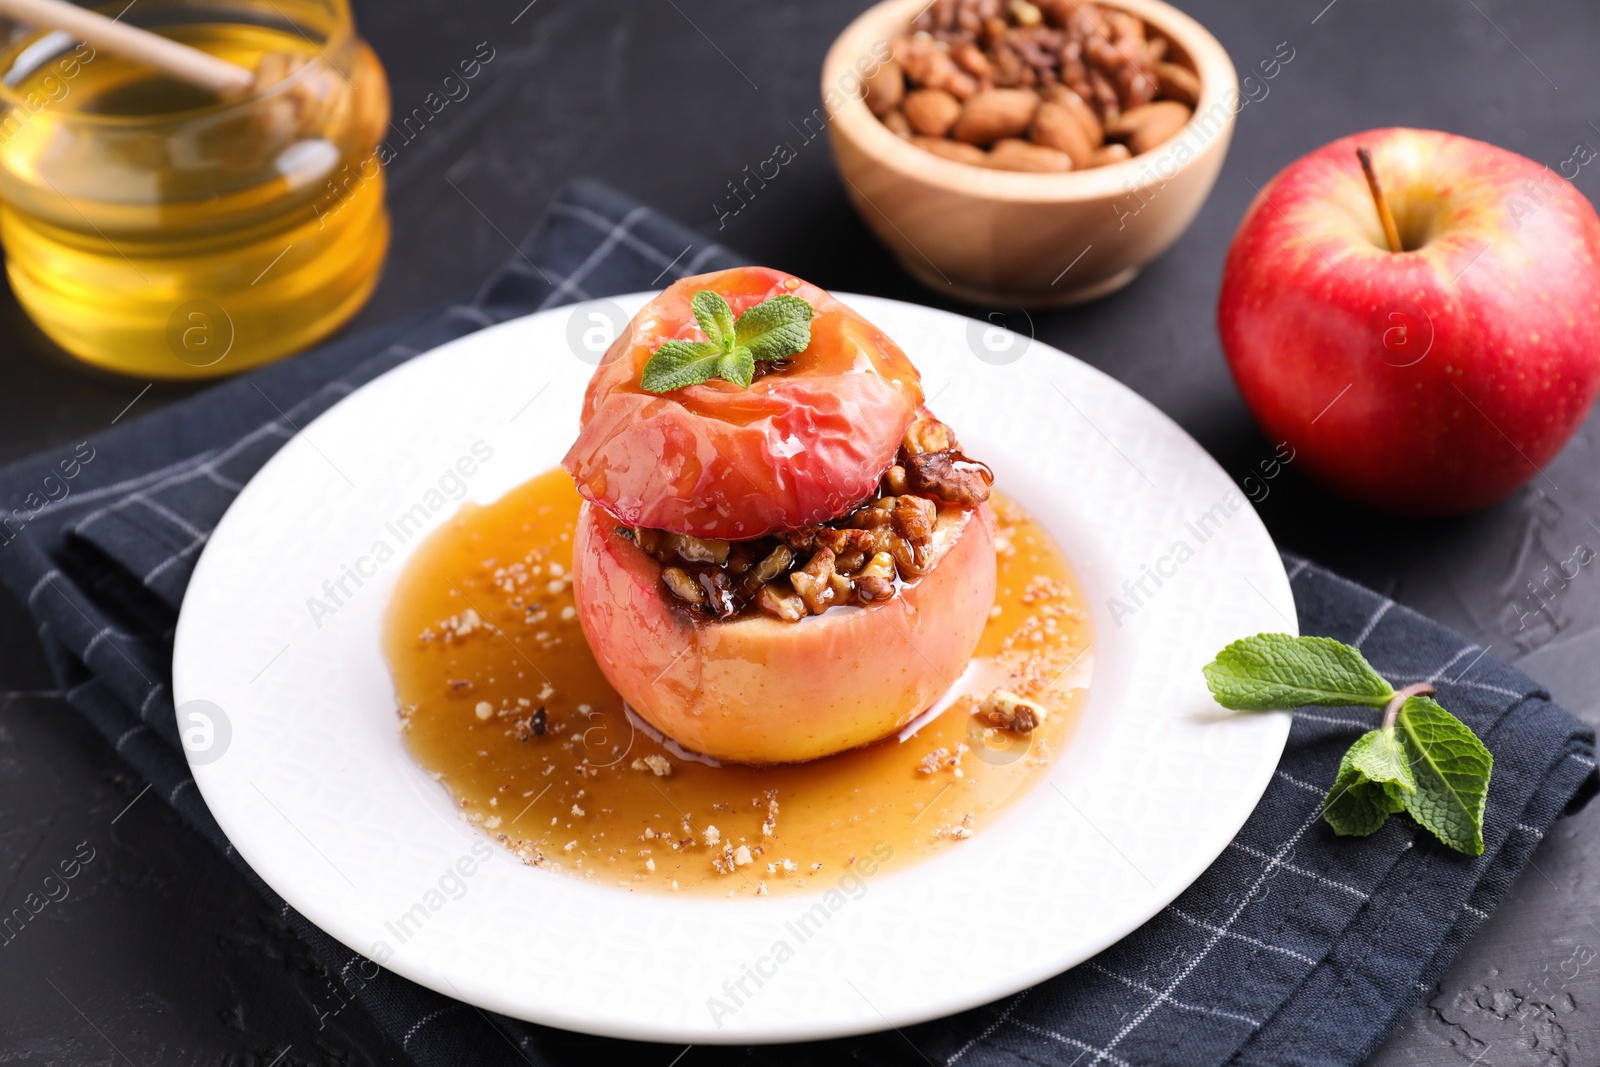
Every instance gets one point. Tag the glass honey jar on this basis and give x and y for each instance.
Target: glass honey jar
(158, 230)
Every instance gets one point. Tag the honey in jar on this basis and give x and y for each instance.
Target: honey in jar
(155, 229)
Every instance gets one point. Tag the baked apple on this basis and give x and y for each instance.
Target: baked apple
(782, 555)
(718, 459)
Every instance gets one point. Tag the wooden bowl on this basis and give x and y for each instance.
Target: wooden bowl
(997, 237)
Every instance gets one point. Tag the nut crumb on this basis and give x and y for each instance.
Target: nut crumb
(1008, 711)
(941, 758)
(529, 727)
(769, 826)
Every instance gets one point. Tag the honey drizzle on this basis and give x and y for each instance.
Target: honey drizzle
(482, 633)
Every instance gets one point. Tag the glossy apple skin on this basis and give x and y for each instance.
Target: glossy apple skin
(1429, 382)
(717, 460)
(758, 690)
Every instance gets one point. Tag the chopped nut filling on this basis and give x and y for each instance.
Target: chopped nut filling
(860, 558)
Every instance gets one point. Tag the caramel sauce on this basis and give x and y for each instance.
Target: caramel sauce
(482, 633)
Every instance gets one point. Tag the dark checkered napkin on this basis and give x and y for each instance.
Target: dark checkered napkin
(1293, 948)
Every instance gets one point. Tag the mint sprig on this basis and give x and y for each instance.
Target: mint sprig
(775, 329)
(1421, 760)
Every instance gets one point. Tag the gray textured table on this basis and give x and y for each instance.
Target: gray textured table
(161, 954)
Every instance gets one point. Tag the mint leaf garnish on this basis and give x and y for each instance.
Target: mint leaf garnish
(738, 367)
(775, 329)
(1422, 760)
(680, 363)
(1452, 770)
(714, 316)
(1278, 671)
(1372, 777)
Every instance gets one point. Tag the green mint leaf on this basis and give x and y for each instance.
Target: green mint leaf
(776, 328)
(737, 367)
(1428, 764)
(714, 316)
(1451, 768)
(677, 364)
(1373, 776)
(1380, 756)
(1271, 671)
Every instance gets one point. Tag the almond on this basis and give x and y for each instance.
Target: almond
(885, 88)
(1081, 111)
(993, 114)
(1123, 126)
(1056, 127)
(955, 150)
(1108, 154)
(1178, 83)
(1148, 125)
(931, 111)
(928, 64)
(1127, 31)
(1161, 129)
(897, 123)
(1014, 154)
(970, 58)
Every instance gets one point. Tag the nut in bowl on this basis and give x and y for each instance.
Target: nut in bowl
(1022, 153)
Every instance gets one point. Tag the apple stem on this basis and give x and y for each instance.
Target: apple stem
(1391, 233)
(1392, 712)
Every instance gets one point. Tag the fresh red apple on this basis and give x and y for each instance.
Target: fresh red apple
(759, 690)
(1437, 378)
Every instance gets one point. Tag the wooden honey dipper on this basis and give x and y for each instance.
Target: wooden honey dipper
(180, 61)
(317, 106)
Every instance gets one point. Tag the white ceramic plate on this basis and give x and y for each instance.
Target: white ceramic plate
(316, 792)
